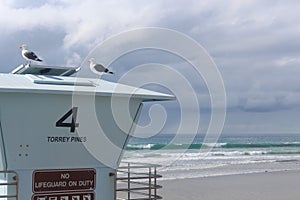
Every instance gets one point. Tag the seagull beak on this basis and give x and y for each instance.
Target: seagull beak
(20, 47)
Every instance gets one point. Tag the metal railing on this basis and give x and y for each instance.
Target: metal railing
(8, 185)
(136, 181)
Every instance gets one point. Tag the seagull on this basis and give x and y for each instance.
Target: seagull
(98, 68)
(29, 55)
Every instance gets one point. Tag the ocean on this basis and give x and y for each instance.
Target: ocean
(231, 154)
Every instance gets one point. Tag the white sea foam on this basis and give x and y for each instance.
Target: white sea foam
(196, 164)
(231, 155)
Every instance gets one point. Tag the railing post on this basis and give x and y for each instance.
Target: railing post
(155, 184)
(128, 181)
(115, 184)
(149, 183)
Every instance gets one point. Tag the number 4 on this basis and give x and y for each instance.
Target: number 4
(73, 113)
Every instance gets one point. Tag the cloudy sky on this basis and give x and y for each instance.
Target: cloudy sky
(254, 43)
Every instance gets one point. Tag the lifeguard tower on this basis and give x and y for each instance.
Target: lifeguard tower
(55, 147)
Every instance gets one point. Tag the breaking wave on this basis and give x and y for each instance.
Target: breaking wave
(215, 146)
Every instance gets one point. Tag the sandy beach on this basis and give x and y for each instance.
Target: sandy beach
(283, 185)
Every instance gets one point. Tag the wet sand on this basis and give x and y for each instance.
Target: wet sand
(284, 185)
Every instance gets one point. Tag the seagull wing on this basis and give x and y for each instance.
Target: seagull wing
(99, 68)
(31, 55)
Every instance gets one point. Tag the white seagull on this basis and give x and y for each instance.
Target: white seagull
(29, 55)
(98, 68)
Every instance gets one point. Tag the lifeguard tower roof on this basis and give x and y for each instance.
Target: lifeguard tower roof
(32, 79)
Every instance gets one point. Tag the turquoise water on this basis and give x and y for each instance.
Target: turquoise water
(187, 156)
